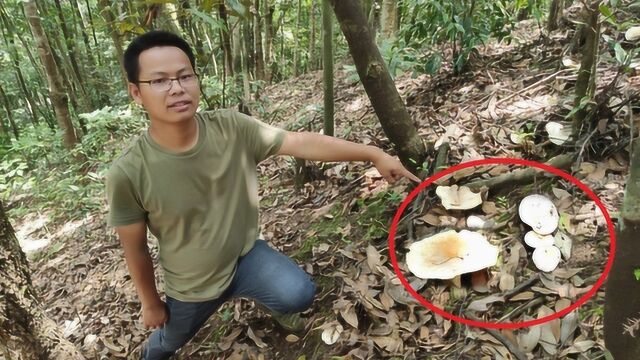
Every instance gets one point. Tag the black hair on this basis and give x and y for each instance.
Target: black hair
(147, 41)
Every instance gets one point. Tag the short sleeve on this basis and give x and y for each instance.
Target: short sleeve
(263, 140)
(124, 206)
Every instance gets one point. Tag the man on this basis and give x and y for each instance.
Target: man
(191, 180)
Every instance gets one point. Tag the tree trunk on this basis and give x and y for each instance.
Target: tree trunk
(257, 41)
(622, 305)
(312, 36)
(7, 107)
(555, 13)
(71, 47)
(268, 41)
(327, 66)
(83, 31)
(58, 97)
(9, 40)
(296, 42)
(388, 19)
(586, 81)
(115, 37)
(93, 31)
(377, 82)
(225, 35)
(247, 36)
(26, 332)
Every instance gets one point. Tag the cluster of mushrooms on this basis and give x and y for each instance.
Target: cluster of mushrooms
(451, 253)
(541, 214)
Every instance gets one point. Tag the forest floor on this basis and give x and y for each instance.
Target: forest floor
(336, 227)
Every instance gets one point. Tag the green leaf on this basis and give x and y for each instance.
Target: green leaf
(621, 55)
(215, 23)
(237, 8)
(636, 273)
(606, 11)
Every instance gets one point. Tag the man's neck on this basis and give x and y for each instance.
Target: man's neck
(177, 137)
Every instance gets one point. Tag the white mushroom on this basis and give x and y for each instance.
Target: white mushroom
(558, 133)
(546, 258)
(633, 33)
(448, 254)
(458, 198)
(536, 240)
(475, 222)
(539, 212)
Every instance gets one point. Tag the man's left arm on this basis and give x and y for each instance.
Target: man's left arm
(316, 147)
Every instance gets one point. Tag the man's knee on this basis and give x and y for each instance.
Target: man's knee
(299, 297)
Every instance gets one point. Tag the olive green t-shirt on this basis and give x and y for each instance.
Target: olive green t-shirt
(201, 204)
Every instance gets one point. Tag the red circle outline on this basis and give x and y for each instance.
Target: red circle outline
(508, 161)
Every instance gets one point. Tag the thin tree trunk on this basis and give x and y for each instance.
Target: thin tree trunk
(585, 83)
(248, 47)
(115, 37)
(327, 66)
(268, 42)
(236, 49)
(296, 41)
(225, 37)
(71, 47)
(312, 36)
(257, 41)
(58, 97)
(12, 123)
(10, 43)
(26, 332)
(93, 31)
(622, 305)
(380, 88)
(555, 13)
(388, 19)
(83, 32)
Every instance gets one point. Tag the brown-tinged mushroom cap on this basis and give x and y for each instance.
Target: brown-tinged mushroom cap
(458, 198)
(448, 254)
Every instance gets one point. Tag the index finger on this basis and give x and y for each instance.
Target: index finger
(410, 175)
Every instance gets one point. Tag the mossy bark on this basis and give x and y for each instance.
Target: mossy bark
(622, 305)
(25, 331)
(377, 82)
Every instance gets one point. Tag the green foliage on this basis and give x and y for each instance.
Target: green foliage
(636, 273)
(67, 183)
(464, 24)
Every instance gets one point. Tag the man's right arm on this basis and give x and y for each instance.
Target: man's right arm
(136, 252)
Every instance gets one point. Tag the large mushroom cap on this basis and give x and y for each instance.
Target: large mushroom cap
(546, 258)
(539, 212)
(449, 254)
(536, 240)
(458, 198)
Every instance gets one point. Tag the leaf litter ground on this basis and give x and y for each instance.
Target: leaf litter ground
(335, 227)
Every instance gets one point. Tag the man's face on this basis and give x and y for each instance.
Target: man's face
(175, 105)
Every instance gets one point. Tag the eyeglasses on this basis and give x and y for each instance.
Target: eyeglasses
(165, 84)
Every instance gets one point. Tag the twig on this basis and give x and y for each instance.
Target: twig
(515, 351)
(532, 280)
(530, 86)
(522, 308)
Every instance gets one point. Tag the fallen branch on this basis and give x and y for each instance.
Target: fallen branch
(513, 348)
(522, 176)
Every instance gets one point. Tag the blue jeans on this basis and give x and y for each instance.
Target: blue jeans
(263, 274)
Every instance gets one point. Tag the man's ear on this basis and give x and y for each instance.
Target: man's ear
(134, 90)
